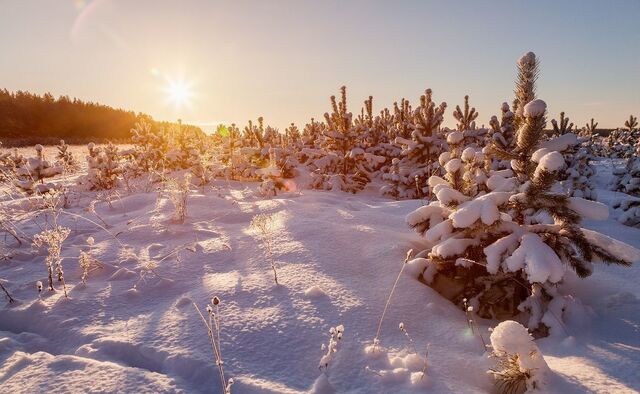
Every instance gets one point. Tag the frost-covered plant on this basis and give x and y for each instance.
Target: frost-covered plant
(212, 322)
(52, 239)
(335, 336)
(403, 329)
(376, 339)
(263, 224)
(520, 365)
(87, 262)
(471, 322)
(178, 195)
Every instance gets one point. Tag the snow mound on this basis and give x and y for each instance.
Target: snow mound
(511, 338)
(535, 108)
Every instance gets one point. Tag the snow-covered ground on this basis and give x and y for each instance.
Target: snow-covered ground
(133, 327)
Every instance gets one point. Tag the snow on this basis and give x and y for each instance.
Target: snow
(539, 261)
(551, 162)
(130, 329)
(527, 58)
(589, 209)
(535, 108)
(560, 143)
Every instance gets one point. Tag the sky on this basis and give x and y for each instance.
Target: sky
(210, 62)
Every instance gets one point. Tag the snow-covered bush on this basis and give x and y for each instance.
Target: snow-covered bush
(31, 175)
(87, 262)
(151, 148)
(493, 247)
(628, 181)
(271, 177)
(66, 158)
(10, 161)
(419, 155)
(628, 211)
(178, 195)
(104, 167)
(520, 365)
(345, 166)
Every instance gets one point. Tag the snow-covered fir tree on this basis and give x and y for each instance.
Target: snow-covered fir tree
(507, 250)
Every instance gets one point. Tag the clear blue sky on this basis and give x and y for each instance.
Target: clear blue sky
(282, 59)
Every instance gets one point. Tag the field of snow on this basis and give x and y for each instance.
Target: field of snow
(133, 327)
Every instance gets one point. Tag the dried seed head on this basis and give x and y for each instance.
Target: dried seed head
(401, 326)
(215, 300)
(209, 309)
(90, 241)
(39, 286)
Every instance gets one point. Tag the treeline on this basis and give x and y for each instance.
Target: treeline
(27, 118)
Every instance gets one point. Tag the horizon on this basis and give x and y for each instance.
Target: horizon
(229, 63)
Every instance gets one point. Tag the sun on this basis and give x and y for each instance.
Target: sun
(179, 92)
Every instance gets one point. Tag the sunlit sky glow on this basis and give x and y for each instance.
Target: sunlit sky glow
(229, 61)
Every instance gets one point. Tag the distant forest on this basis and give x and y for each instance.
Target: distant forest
(27, 118)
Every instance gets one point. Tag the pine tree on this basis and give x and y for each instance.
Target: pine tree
(344, 166)
(563, 127)
(419, 156)
(591, 127)
(467, 118)
(503, 131)
(631, 124)
(507, 248)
